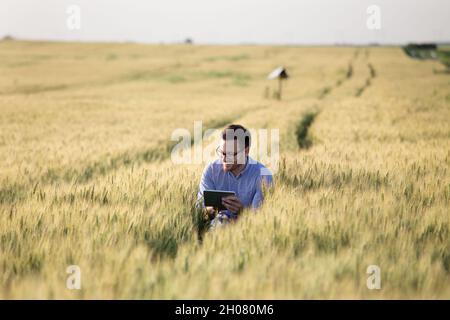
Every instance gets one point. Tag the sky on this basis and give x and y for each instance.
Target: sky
(294, 22)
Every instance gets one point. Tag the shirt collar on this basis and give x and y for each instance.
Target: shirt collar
(248, 161)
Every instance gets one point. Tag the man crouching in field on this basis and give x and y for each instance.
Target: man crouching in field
(235, 171)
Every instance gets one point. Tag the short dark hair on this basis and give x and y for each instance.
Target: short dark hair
(237, 130)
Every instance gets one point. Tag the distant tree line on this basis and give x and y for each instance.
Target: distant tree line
(428, 51)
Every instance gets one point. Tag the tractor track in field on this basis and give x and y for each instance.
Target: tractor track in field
(303, 125)
(368, 82)
(327, 90)
(302, 132)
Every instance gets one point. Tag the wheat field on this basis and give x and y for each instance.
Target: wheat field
(86, 176)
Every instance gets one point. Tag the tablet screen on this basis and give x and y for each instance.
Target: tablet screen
(213, 198)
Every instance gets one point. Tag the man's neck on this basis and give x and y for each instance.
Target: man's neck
(239, 168)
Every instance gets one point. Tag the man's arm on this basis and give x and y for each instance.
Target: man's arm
(266, 180)
(206, 183)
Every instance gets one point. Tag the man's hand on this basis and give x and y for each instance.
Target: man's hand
(209, 212)
(232, 203)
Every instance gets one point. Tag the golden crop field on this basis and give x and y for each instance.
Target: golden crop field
(86, 176)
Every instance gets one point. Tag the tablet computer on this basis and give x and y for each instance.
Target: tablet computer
(213, 198)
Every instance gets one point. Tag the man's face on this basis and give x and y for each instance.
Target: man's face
(231, 154)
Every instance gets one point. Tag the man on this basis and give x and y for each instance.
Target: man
(235, 171)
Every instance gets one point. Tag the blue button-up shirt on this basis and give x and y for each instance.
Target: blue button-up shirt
(247, 184)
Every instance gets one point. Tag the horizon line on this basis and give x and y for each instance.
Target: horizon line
(7, 37)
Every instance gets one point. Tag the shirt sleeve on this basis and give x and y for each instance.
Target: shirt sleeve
(206, 183)
(258, 198)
